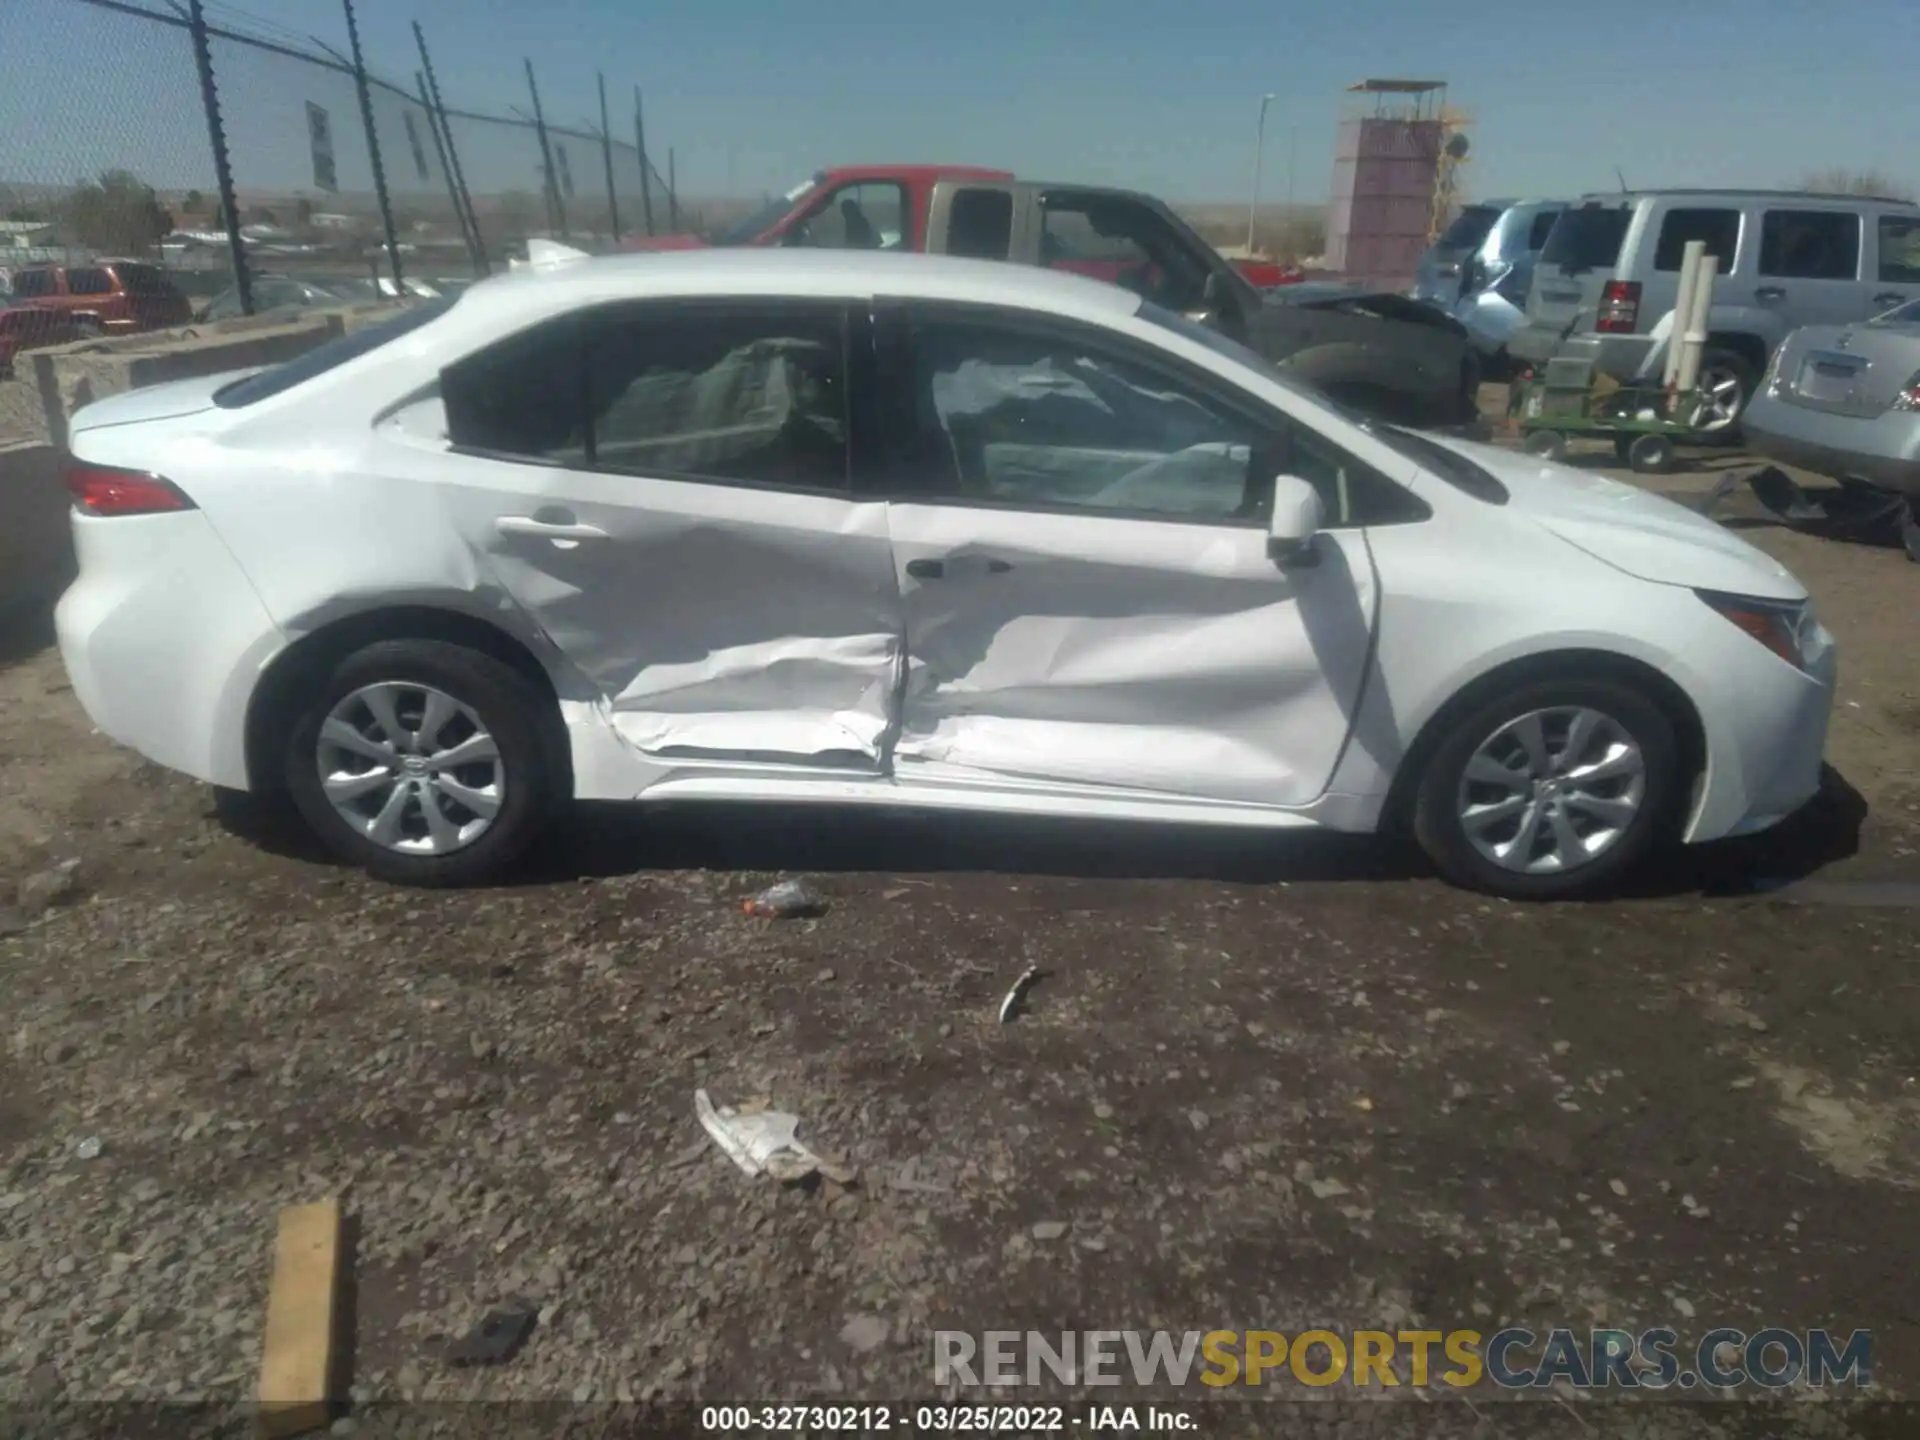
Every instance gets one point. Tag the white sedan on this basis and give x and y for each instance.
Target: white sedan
(897, 530)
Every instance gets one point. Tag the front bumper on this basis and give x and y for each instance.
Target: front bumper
(1765, 756)
(1883, 451)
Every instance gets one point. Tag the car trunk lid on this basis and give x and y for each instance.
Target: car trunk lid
(154, 402)
(1576, 264)
(1855, 370)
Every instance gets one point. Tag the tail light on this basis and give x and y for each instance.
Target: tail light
(1619, 308)
(1908, 400)
(107, 490)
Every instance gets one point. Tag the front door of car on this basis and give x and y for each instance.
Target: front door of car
(1079, 528)
(663, 487)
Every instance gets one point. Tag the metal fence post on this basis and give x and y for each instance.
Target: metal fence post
(222, 164)
(646, 165)
(453, 189)
(606, 152)
(373, 150)
(453, 152)
(555, 207)
(673, 195)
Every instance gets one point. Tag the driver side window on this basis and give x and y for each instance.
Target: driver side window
(1120, 241)
(869, 215)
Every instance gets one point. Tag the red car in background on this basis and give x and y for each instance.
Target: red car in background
(108, 297)
(887, 207)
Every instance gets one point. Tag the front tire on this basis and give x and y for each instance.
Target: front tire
(424, 763)
(1554, 789)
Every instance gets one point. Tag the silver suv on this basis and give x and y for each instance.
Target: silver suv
(1610, 271)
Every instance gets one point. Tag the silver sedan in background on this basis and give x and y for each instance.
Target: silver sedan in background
(1844, 401)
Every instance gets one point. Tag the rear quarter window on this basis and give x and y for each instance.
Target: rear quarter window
(1717, 226)
(29, 283)
(1587, 237)
(316, 362)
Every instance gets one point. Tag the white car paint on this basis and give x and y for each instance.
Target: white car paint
(717, 643)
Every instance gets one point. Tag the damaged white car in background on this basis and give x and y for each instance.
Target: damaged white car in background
(767, 525)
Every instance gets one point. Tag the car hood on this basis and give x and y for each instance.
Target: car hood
(154, 402)
(1626, 527)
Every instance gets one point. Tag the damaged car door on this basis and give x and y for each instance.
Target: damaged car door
(1080, 532)
(663, 486)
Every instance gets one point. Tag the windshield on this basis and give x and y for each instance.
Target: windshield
(1587, 238)
(1469, 228)
(274, 381)
(743, 232)
(1907, 314)
(1450, 465)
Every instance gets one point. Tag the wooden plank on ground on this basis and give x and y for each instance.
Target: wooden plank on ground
(303, 1321)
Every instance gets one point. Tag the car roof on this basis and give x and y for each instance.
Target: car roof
(910, 172)
(827, 274)
(1741, 195)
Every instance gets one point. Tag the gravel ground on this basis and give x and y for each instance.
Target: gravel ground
(1264, 1083)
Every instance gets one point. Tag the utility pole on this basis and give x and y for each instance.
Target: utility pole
(1259, 147)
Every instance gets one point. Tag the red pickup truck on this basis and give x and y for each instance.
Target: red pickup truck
(1384, 355)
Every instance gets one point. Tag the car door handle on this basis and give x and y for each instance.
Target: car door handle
(927, 569)
(1888, 297)
(1770, 292)
(547, 529)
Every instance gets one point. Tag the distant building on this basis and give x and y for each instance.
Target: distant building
(1386, 169)
(327, 220)
(25, 234)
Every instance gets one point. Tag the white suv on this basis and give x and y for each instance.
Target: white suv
(1611, 267)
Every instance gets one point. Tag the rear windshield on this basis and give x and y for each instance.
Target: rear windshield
(281, 378)
(1587, 238)
(1469, 228)
(143, 279)
(1907, 314)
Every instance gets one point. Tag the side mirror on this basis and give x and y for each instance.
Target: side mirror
(1217, 306)
(1297, 517)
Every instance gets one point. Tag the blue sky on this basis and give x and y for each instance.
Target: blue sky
(754, 94)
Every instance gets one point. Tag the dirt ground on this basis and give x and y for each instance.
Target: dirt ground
(1264, 1083)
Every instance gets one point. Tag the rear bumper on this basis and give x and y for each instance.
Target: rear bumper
(1879, 451)
(1618, 356)
(164, 639)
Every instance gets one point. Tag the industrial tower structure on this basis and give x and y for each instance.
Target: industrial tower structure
(1395, 177)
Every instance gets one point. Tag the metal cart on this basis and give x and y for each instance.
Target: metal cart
(1645, 422)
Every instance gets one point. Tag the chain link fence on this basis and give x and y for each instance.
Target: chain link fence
(108, 141)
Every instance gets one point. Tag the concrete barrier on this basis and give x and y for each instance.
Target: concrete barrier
(36, 542)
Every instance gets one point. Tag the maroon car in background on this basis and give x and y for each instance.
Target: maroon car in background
(108, 297)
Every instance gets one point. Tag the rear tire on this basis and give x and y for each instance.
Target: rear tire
(371, 762)
(88, 330)
(1626, 806)
(1719, 370)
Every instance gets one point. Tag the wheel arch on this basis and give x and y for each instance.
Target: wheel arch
(270, 709)
(1574, 664)
(1750, 348)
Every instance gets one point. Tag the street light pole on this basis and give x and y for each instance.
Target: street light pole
(1259, 146)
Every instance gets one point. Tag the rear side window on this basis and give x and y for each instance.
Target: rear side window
(1899, 250)
(980, 224)
(1587, 237)
(1718, 227)
(316, 362)
(1810, 244)
(1469, 227)
(143, 280)
(731, 392)
(89, 282)
(28, 284)
(1541, 228)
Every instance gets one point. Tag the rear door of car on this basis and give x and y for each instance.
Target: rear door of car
(664, 488)
(1719, 225)
(1810, 269)
(1893, 256)
(1579, 258)
(979, 220)
(151, 298)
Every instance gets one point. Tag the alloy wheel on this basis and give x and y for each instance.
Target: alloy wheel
(1721, 400)
(411, 768)
(1552, 790)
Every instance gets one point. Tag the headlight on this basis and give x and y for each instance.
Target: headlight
(1787, 628)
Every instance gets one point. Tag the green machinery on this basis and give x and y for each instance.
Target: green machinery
(1645, 422)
